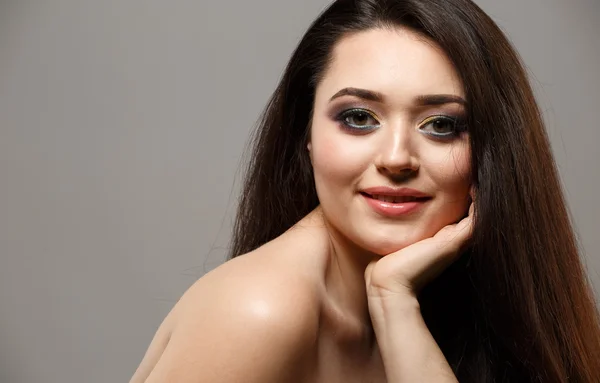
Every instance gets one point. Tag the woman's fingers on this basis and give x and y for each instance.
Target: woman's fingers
(409, 269)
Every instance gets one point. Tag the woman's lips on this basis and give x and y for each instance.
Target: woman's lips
(395, 206)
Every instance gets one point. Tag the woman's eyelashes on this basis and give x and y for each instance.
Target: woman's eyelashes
(437, 126)
(442, 126)
(355, 119)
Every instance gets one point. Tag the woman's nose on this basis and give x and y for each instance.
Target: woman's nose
(396, 156)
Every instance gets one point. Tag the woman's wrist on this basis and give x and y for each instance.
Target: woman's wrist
(394, 314)
(408, 350)
(387, 305)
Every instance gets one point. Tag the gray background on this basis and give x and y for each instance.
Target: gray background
(122, 125)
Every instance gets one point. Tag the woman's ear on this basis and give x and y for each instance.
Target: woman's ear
(309, 147)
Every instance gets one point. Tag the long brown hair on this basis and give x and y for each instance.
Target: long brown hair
(517, 306)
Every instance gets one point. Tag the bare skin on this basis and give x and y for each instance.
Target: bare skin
(296, 298)
(298, 266)
(334, 298)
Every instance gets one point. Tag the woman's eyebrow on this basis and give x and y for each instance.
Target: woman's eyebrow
(439, 99)
(421, 100)
(360, 93)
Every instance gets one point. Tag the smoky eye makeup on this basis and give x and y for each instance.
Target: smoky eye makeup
(440, 125)
(357, 119)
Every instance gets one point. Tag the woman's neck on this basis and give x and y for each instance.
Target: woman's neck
(345, 265)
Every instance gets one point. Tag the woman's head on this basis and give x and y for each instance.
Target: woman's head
(388, 112)
(505, 310)
(466, 55)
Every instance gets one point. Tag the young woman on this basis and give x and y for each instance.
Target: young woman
(401, 220)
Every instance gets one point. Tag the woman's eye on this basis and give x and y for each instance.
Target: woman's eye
(358, 119)
(443, 126)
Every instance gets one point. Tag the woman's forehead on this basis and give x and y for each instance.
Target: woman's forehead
(400, 64)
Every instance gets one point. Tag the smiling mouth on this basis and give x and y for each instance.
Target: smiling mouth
(395, 199)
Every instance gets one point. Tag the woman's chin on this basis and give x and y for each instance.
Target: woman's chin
(383, 241)
(388, 248)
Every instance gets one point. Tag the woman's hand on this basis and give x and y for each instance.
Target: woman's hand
(406, 271)
(408, 350)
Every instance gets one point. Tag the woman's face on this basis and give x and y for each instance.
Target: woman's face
(401, 129)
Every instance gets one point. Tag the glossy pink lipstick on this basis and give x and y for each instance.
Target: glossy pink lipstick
(394, 202)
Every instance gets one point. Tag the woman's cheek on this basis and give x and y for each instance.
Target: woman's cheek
(338, 158)
(449, 167)
(451, 173)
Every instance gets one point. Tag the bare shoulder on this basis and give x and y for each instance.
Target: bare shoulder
(252, 319)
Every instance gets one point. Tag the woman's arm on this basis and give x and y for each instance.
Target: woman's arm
(408, 350)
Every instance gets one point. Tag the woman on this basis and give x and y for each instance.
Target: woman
(401, 220)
